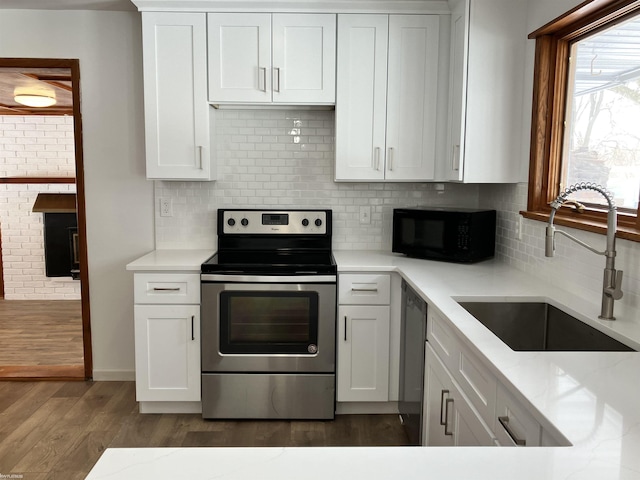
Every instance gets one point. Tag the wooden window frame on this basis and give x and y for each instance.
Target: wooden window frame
(553, 45)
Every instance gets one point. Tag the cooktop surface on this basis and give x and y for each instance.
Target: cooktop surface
(271, 262)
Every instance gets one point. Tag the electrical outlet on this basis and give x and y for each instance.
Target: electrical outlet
(518, 233)
(365, 215)
(166, 209)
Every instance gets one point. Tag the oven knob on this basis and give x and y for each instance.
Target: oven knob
(305, 222)
(231, 222)
(318, 222)
(312, 348)
(244, 222)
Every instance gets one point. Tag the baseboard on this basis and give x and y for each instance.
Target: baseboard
(354, 408)
(114, 375)
(170, 407)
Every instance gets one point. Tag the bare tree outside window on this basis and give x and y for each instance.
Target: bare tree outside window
(602, 136)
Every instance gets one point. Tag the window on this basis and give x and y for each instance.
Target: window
(586, 114)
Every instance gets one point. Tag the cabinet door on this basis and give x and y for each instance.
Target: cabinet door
(449, 418)
(470, 430)
(304, 58)
(412, 93)
(361, 97)
(175, 96)
(458, 88)
(487, 78)
(438, 391)
(363, 354)
(239, 57)
(167, 341)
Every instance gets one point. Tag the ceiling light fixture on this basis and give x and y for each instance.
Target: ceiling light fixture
(34, 100)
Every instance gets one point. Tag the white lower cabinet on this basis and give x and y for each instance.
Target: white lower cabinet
(515, 427)
(363, 333)
(465, 404)
(363, 353)
(167, 352)
(167, 338)
(449, 418)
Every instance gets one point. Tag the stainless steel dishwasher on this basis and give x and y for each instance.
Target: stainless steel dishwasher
(413, 337)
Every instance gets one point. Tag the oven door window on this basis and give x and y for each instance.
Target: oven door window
(268, 322)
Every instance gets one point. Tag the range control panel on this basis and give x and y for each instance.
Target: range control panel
(260, 222)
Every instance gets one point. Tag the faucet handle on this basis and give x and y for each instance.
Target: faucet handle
(616, 291)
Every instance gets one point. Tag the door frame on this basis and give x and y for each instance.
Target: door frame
(74, 66)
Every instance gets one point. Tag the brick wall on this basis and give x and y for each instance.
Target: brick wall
(32, 146)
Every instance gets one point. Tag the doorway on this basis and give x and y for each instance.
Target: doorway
(45, 312)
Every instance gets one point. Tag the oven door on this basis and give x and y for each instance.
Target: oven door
(268, 324)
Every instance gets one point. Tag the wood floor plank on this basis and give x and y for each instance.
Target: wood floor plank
(274, 434)
(65, 426)
(167, 432)
(52, 447)
(24, 407)
(18, 443)
(41, 332)
(82, 454)
(10, 392)
(135, 431)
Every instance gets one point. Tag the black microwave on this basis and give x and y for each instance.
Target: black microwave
(461, 235)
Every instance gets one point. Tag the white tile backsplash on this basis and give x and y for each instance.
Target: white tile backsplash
(285, 158)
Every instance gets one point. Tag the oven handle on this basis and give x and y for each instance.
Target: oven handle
(269, 278)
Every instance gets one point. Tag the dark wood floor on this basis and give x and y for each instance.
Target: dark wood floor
(40, 333)
(58, 430)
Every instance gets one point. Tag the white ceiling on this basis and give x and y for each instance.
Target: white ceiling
(68, 5)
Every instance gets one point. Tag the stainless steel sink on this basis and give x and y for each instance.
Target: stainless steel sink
(538, 326)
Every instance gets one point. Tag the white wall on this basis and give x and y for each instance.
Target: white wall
(119, 199)
(572, 268)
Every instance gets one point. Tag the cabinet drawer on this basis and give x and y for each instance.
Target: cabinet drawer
(166, 288)
(478, 384)
(514, 425)
(442, 339)
(364, 289)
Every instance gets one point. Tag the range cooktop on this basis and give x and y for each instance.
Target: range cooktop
(276, 263)
(273, 242)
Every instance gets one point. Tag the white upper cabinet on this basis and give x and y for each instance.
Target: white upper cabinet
(175, 96)
(488, 41)
(387, 87)
(272, 58)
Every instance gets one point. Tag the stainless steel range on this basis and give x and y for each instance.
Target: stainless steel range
(269, 317)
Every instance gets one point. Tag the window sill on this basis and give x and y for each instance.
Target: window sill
(570, 219)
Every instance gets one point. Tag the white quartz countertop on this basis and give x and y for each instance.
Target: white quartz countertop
(168, 260)
(590, 398)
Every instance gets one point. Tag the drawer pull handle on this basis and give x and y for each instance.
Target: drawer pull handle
(446, 416)
(193, 335)
(345, 328)
(443, 420)
(364, 289)
(262, 79)
(504, 421)
(166, 289)
(276, 71)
